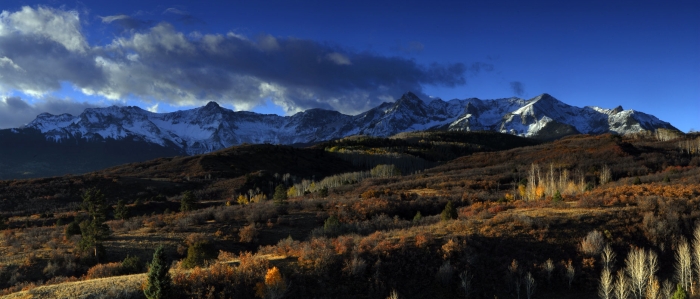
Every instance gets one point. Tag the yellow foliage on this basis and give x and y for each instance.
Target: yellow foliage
(509, 197)
(522, 190)
(274, 286)
(539, 191)
(258, 198)
(292, 191)
(273, 277)
(242, 200)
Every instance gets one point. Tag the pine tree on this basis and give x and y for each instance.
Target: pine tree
(323, 192)
(680, 293)
(93, 230)
(159, 281)
(417, 218)
(449, 212)
(197, 255)
(121, 211)
(280, 196)
(557, 197)
(187, 202)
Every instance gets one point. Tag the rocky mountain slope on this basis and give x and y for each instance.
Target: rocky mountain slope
(212, 127)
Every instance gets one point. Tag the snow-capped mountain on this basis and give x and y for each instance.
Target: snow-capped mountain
(212, 127)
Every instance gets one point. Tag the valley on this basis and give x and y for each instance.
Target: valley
(424, 214)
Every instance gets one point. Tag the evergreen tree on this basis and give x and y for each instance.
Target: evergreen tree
(557, 197)
(331, 225)
(280, 195)
(121, 211)
(449, 212)
(94, 230)
(197, 254)
(323, 192)
(72, 229)
(187, 202)
(159, 282)
(680, 293)
(418, 217)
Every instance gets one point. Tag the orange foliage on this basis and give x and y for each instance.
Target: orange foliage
(424, 240)
(104, 270)
(628, 193)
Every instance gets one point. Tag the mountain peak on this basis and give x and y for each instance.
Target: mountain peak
(212, 104)
(410, 97)
(213, 127)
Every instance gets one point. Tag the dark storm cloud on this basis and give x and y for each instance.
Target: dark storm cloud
(162, 64)
(15, 112)
(517, 87)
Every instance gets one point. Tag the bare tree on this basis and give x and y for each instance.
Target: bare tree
(465, 280)
(684, 260)
(608, 257)
(515, 273)
(666, 290)
(570, 273)
(605, 289)
(549, 268)
(530, 285)
(622, 290)
(393, 295)
(605, 174)
(652, 263)
(636, 263)
(696, 253)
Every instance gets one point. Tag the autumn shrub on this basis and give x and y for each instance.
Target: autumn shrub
(592, 244)
(317, 255)
(260, 212)
(344, 244)
(221, 279)
(104, 270)
(273, 287)
(588, 202)
(248, 233)
(424, 239)
(355, 266)
(452, 248)
(133, 223)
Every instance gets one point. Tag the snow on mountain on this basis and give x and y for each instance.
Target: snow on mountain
(213, 127)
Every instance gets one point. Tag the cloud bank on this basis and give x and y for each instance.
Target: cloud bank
(42, 47)
(15, 112)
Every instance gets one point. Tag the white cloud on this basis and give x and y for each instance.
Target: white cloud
(153, 108)
(56, 25)
(42, 48)
(16, 112)
(110, 19)
(338, 58)
(4, 61)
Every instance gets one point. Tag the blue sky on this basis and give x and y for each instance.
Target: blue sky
(287, 56)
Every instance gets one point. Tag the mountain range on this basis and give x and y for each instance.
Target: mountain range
(127, 134)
